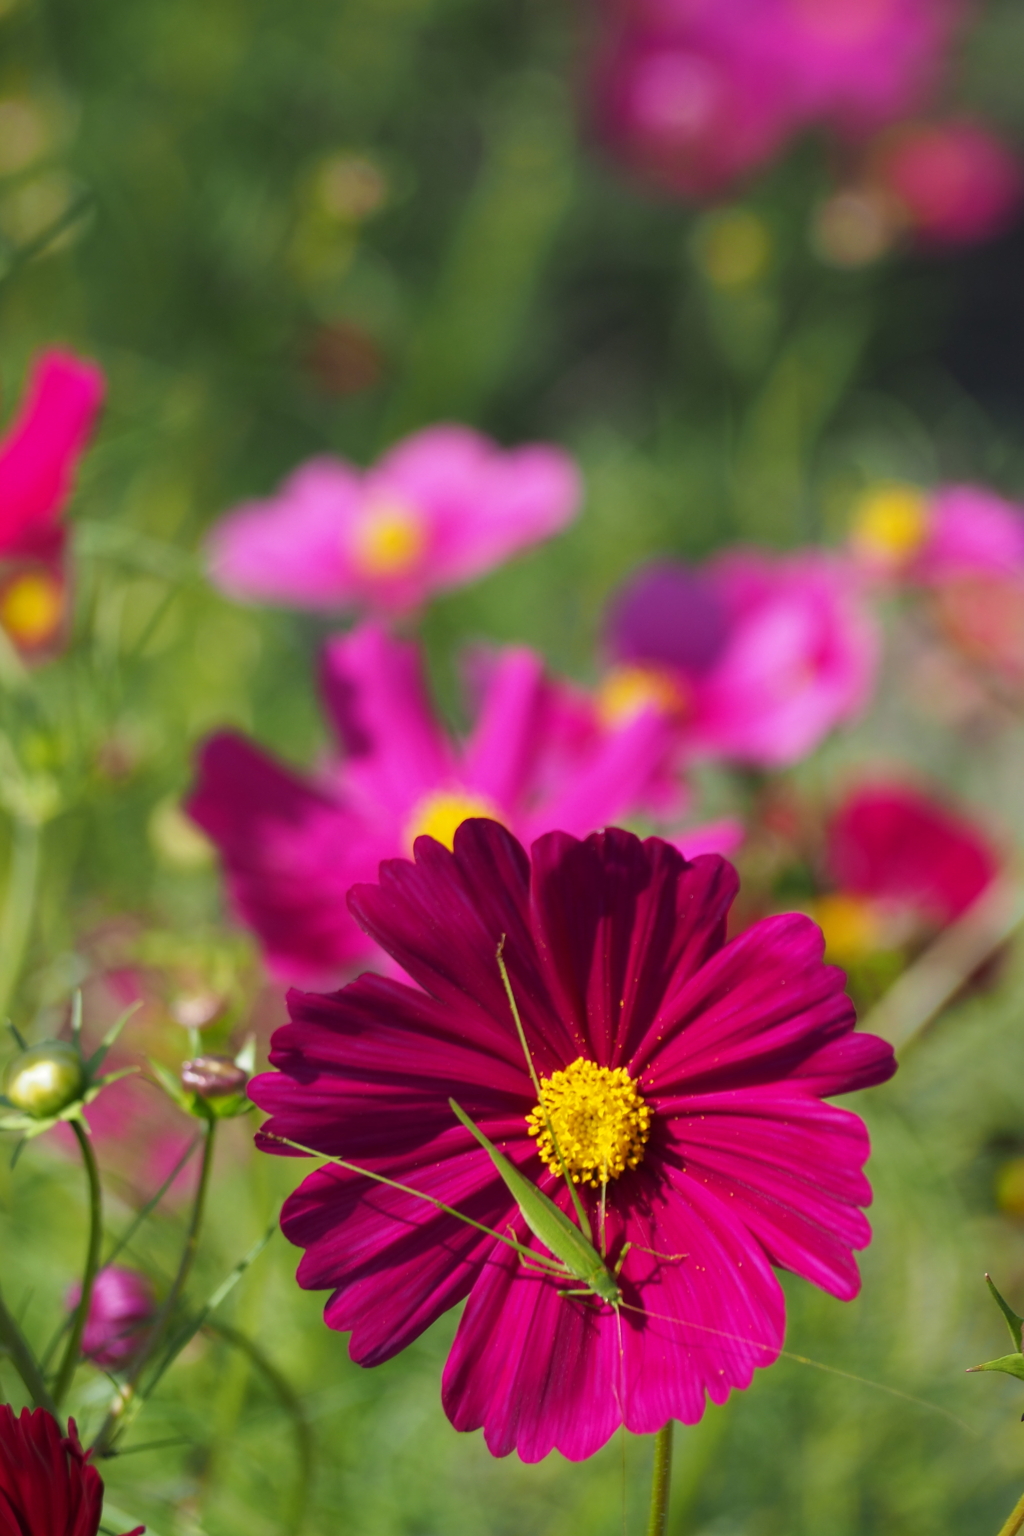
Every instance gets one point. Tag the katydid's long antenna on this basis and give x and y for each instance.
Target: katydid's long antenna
(581, 1215)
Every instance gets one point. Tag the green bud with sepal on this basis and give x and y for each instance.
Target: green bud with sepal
(54, 1080)
(211, 1086)
(1010, 1365)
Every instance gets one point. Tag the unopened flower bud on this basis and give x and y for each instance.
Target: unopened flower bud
(120, 1309)
(213, 1077)
(45, 1079)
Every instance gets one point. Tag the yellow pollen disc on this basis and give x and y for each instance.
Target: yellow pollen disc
(851, 927)
(599, 1120)
(441, 814)
(627, 691)
(388, 539)
(31, 608)
(890, 523)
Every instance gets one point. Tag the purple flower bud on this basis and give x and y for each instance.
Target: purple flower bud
(213, 1077)
(121, 1306)
(667, 613)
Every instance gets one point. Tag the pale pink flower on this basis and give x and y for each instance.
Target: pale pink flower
(439, 509)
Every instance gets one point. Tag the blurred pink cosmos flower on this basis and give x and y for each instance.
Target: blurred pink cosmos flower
(893, 843)
(953, 532)
(537, 758)
(951, 183)
(753, 657)
(121, 1306)
(708, 1060)
(38, 456)
(438, 510)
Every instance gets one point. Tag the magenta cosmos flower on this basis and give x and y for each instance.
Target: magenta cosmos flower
(38, 456)
(685, 1073)
(538, 757)
(952, 183)
(438, 510)
(753, 657)
(930, 537)
(903, 851)
(47, 1487)
(121, 1307)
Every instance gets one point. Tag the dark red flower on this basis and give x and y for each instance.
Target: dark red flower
(691, 1070)
(47, 1486)
(897, 846)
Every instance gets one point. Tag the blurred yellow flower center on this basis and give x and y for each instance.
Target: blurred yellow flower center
(388, 538)
(441, 814)
(850, 924)
(733, 247)
(31, 608)
(627, 691)
(890, 523)
(599, 1121)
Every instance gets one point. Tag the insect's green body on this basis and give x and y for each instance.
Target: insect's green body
(570, 1244)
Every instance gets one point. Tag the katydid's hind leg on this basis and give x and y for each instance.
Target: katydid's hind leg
(669, 1258)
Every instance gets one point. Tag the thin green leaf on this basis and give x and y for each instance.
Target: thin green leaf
(1010, 1365)
(1013, 1322)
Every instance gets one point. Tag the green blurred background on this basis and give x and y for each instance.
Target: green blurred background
(285, 228)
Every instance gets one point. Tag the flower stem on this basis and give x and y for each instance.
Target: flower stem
(122, 1409)
(16, 921)
(660, 1480)
(1016, 1521)
(23, 1360)
(92, 1263)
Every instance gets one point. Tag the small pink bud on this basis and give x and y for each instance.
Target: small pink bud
(121, 1306)
(213, 1077)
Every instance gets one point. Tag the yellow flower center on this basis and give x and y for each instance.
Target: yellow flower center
(31, 608)
(441, 814)
(598, 1119)
(388, 539)
(890, 523)
(850, 924)
(629, 690)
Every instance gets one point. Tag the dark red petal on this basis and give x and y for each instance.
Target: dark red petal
(290, 854)
(620, 926)
(442, 918)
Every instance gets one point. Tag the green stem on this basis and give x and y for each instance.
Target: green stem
(69, 1362)
(660, 1480)
(16, 922)
(24, 1361)
(1016, 1520)
(292, 1404)
(118, 1415)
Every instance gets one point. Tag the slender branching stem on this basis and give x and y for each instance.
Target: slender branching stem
(24, 1361)
(72, 1348)
(660, 1480)
(118, 1415)
(1016, 1521)
(19, 906)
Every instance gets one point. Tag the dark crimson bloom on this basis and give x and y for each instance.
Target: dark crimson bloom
(47, 1487)
(683, 1076)
(896, 846)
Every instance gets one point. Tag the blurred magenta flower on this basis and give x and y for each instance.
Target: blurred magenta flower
(38, 457)
(727, 1162)
(755, 657)
(686, 114)
(537, 758)
(856, 64)
(438, 510)
(953, 532)
(121, 1307)
(951, 183)
(47, 1486)
(907, 853)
